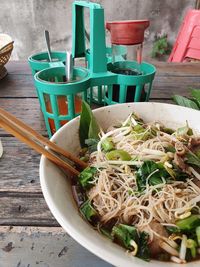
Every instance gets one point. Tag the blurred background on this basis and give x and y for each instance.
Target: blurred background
(26, 20)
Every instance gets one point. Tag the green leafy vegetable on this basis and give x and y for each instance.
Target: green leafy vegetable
(196, 95)
(197, 153)
(198, 234)
(186, 130)
(190, 103)
(189, 223)
(185, 102)
(143, 249)
(170, 149)
(89, 212)
(172, 229)
(192, 159)
(118, 155)
(140, 133)
(108, 145)
(137, 118)
(86, 177)
(177, 173)
(192, 245)
(92, 144)
(88, 128)
(154, 171)
(94, 128)
(167, 130)
(161, 46)
(106, 232)
(123, 234)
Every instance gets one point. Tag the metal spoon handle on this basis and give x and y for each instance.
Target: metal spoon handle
(47, 38)
(69, 66)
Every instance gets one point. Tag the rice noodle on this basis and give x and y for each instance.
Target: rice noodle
(115, 193)
(169, 249)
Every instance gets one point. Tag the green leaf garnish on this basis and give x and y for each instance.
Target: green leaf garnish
(88, 128)
(185, 102)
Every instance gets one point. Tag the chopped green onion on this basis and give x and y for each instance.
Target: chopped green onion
(192, 245)
(189, 223)
(89, 212)
(87, 176)
(118, 155)
(107, 145)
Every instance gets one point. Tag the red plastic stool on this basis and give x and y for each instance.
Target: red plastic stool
(187, 44)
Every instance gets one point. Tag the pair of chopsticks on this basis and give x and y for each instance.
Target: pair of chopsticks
(39, 143)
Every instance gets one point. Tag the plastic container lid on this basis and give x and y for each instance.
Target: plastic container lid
(127, 32)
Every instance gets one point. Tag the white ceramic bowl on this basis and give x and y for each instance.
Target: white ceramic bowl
(57, 191)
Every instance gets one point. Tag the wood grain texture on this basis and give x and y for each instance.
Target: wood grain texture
(165, 87)
(179, 69)
(19, 167)
(43, 247)
(17, 86)
(25, 209)
(170, 78)
(18, 67)
(26, 109)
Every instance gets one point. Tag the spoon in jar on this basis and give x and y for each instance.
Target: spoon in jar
(47, 38)
(69, 67)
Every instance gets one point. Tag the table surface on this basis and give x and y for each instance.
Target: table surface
(29, 234)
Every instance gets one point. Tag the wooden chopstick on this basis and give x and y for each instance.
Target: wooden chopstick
(39, 149)
(36, 141)
(41, 139)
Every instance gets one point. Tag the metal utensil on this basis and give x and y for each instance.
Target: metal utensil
(69, 67)
(47, 38)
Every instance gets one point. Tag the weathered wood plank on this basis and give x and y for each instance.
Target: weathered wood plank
(166, 87)
(20, 209)
(163, 87)
(178, 69)
(16, 85)
(43, 247)
(173, 76)
(19, 167)
(18, 67)
(27, 110)
(21, 86)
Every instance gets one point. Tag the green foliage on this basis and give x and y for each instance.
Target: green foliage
(192, 159)
(161, 47)
(193, 103)
(87, 176)
(123, 234)
(88, 128)
(188, 223)
(88, 211)
(154, 171)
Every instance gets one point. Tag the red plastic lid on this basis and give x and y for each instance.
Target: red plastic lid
(127, 32)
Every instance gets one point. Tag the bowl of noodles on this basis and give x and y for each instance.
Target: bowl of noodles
(138, 201)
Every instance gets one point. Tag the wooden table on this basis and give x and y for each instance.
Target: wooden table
(29, 235)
